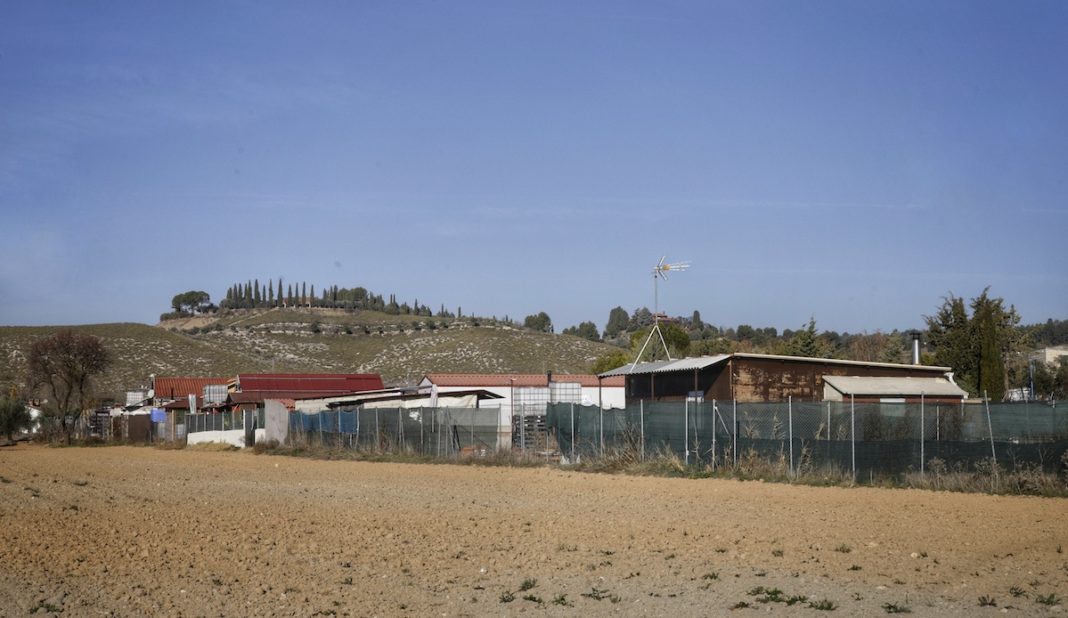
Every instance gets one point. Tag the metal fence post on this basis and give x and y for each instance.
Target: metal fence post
(734, 430)
(828, 421)
(600, 419)
(990, 429)
(686, 429)
(715, 413)
(790, 423)
(853, 436)
(572, 433)
(922, 432)
(641, 418)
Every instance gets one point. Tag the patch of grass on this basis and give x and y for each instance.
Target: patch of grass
(1050, 599)
(894, 608)
(777, 553)
(712, 575)
(532, 598)
(855, 567)
(507, 597)
(596, 594)
(740, 605)
(1017, 592)
(825, 605)
(527, 584)
(843, 548)
(985, 601)
(561, 600)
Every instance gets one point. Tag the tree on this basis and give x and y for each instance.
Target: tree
(191, 301)
(806, 342)
(63, 366)
(609, 361)
(618, 319)
(695, 321)
(677, 340)
(539, 322)
(976, 347)
(14, 417)
(586, 330)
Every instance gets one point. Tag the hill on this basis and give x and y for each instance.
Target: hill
(400, 348)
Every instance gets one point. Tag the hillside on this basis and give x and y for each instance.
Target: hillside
(400, 348)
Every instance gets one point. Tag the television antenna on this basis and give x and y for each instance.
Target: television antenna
(660, 271)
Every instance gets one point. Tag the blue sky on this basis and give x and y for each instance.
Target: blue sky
(849, 161)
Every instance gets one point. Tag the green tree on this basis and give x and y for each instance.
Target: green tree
(609, 361)
(539, 321)
(14, 417)
(64, 366)
(586, 330)
(806, 342)
(677, 340)
(618, 319)
(190, 302)
(978, 346)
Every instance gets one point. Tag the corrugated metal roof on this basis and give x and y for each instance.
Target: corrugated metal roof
(838, 361)
(476, 380)
(683, 364)
(310, 383)
(863, 385)
(689, 364)
(175, 387)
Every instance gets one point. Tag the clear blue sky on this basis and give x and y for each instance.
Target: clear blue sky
(851, 161)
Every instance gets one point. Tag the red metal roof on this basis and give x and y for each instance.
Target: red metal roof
(310, 384)
(518, 379)
(258, 397)
(180, 387)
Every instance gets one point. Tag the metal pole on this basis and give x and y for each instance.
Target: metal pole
(357, 428)
(641, 412)
(790, 417)
(714, 414)
(600, 412)
(572, 433)
(828, 420)
(378, 431)
(523, 426)
(990, 429)
(853, 435)
(922, 433)
(734, 430)
(686, 428)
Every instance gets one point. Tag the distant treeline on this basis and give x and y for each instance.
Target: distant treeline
(254, 295)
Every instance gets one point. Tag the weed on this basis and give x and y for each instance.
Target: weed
(216, 581)
(741, 605)
(561, 600)
(826, 605)
(777, 553)
(566, 547)
(894, 608)
(596, 594)
(843, 548)
(710, 575)
(48, 607)
(985, 601)
(721, 550)
(855, 567)
(533, 599)
(1050, 599)
(527, 584)
(347, 581)
(1017, 592)
(507, 597)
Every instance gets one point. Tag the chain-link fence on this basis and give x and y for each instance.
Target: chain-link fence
(865, 440)
(432, 432)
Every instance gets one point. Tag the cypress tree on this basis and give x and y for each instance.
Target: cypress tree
(270, 292)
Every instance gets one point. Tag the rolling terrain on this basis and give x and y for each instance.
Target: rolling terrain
(400, 348)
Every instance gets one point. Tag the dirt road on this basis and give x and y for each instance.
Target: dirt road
(129, 531)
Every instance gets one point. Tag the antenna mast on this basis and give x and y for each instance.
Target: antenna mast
(660, 271)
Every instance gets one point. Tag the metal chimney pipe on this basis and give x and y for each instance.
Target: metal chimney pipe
(915, 348)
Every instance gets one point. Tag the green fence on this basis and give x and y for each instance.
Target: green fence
(866, 440)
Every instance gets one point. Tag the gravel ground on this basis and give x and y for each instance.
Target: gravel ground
(128, 531)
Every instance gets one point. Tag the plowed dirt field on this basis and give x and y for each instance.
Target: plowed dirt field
(128, 531)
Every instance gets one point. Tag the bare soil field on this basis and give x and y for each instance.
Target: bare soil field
(128, 531)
